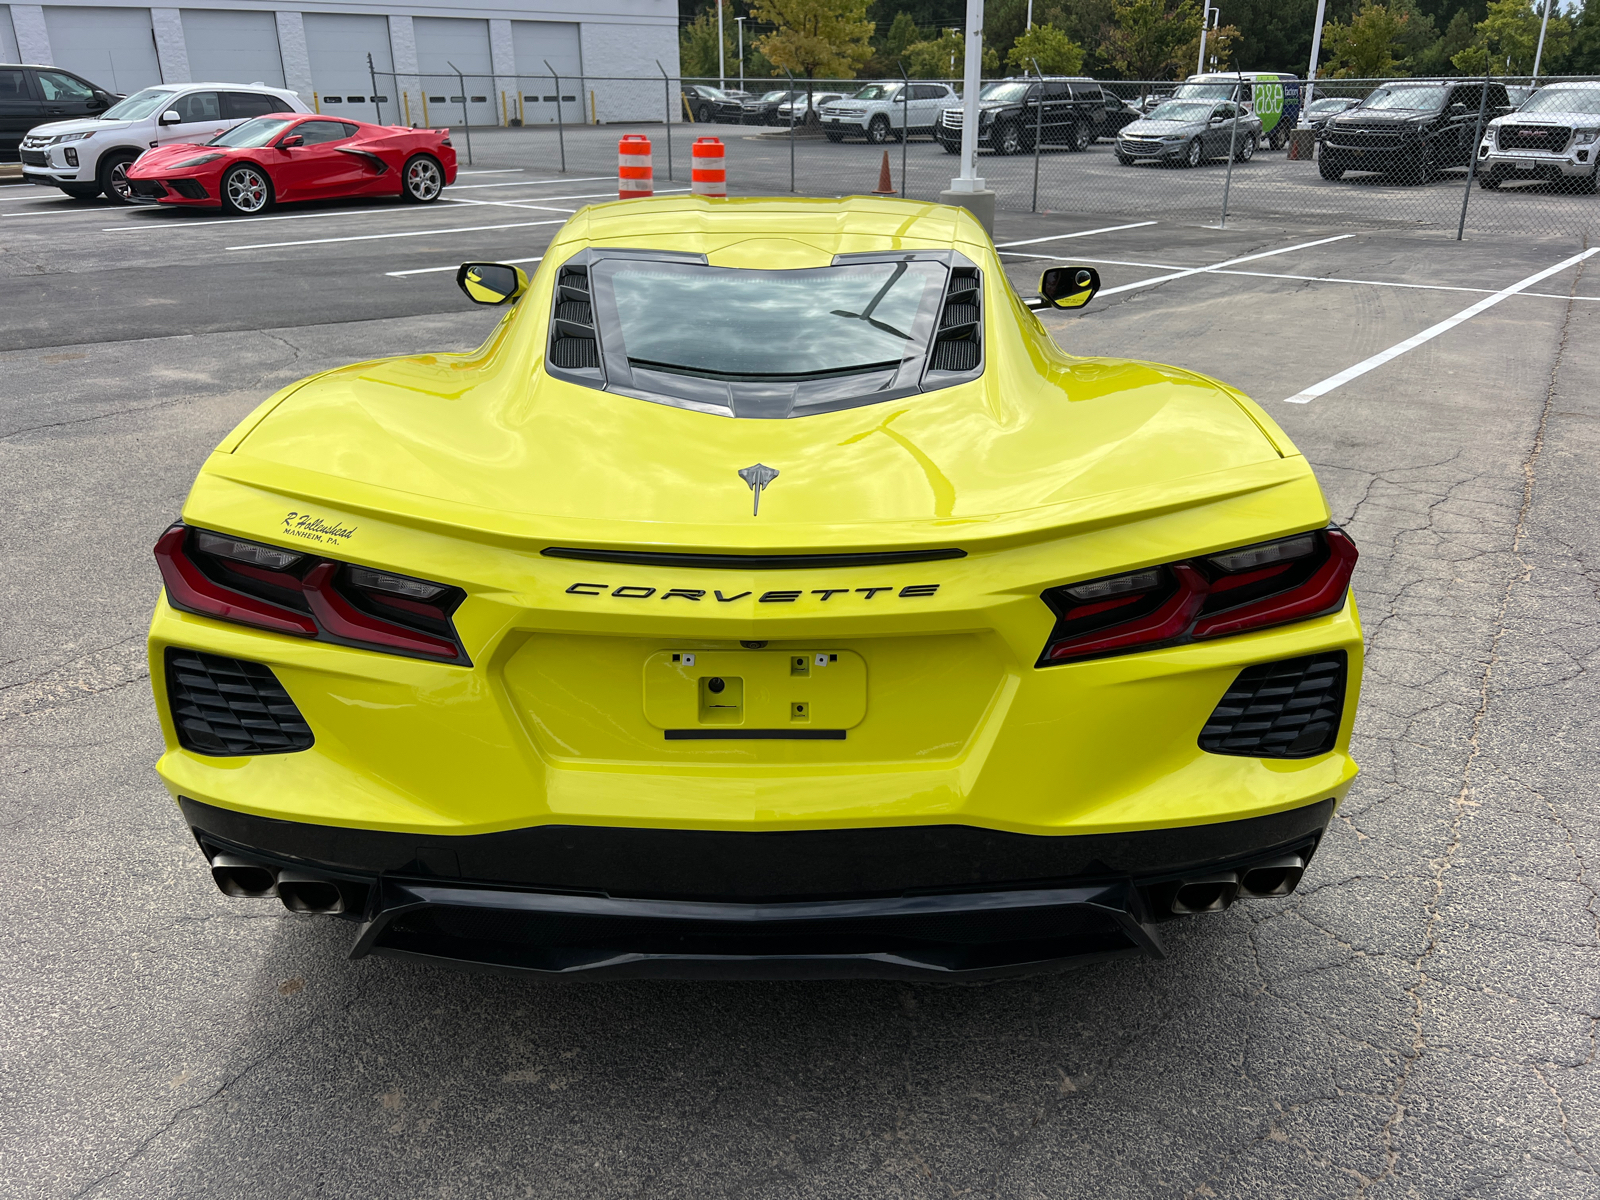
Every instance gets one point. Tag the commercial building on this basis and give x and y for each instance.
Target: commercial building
(505, 56)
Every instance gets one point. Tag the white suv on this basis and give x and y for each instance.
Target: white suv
(88, 156)
(880, 111)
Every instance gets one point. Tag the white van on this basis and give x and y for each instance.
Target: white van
(1274, 96)
(90, 155)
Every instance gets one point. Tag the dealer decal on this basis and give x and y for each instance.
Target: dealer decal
(314, 529)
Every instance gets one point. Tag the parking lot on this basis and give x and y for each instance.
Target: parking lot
(1417, 1020)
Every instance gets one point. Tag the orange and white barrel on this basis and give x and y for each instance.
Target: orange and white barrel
(635, 175)
(708, 177)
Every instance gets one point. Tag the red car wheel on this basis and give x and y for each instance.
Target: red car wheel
(422, 180)
(246, 189)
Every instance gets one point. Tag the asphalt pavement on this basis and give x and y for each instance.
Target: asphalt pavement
(1417, 1021)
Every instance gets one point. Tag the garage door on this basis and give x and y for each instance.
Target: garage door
(443, 41)
(8, 37)
(232, 47)
(338, 44)
(534, 43)
(109, 46)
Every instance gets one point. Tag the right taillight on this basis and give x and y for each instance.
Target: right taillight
(286, 591)
(1252, 587)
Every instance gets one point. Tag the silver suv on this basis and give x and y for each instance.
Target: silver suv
(881, 111)
(1555, 136)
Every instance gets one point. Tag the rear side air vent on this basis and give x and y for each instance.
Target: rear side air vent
(226, 706)
(573, 346)
(1287, 709)
(958, 342)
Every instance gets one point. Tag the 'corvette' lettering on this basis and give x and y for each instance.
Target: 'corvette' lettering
(634, 593)
(910, 591)
(829, 593)
(919, 589)
(721, 599)
(779, 597)
(685, 593)
(871, 592)
(577, 589)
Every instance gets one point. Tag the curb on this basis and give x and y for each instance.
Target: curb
(11, 173)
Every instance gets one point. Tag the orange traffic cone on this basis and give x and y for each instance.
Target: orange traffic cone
(885, 184)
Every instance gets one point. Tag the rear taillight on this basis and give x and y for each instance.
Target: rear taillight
(217, 575)
(1253, 587)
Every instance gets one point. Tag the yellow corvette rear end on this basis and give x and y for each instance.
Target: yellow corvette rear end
(612, 649)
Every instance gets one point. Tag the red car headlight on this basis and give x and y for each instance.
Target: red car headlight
(285, 591)
(199, 162)
(1253, 587)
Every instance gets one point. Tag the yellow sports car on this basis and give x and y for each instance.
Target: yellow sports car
(769, 595)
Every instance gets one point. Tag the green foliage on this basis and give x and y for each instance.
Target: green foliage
(1220, 47)
(1505, 40)
(902, 33)
(1583, 56)
(1370, 46)
(945, 57)
(1051, 48)
(697, 46)
(817, 39)
(1434, 58)
(1148, 37)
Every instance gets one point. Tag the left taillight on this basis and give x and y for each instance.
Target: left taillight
(286, 591)
(1253, 587)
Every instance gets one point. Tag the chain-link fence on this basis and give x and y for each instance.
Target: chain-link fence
(1381, 153)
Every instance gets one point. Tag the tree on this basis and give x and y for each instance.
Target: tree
(1220, 44)
(697, 47)
(1370, 46)
(1434, 59)
(1052, 49)
(1148, 37)
(817, 39)
(1505, 40)
(1584, 56)
(945, 57)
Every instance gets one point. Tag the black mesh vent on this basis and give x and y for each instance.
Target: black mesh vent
(958, 314)
(574, 352)
(1288, 709)
(955, 356)
(575, 279)
(225, 706)
(571, 310)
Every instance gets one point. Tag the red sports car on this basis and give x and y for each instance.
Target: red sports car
(293, 157)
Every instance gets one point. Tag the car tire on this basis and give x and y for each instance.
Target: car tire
(113, 176)
(1491, 180)
(1330, 168)
(703, 114)
(950, 147)
(1587, 185)
(422, 179)
(1193, 156)
(878, 131)
(833, 136)
(1246, 150)
(1277, 137)
(1080, 137)
(80, 191)
(1124, 159)
(246, 190)
(1009, 139)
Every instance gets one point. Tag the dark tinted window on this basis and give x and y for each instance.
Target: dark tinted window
(1085, 91)
(198, 106)
(14, 87)
(244, 105)
(316, 133)
(63, 88)
(1056, 91)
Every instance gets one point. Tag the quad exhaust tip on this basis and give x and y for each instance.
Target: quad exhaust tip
(300, 892)
(1260, 881)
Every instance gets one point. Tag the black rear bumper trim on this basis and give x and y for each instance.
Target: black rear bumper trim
(754, 735)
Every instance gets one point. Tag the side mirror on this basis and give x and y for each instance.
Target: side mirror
(1069, 287)
(290, 142)
(102, 99)
(171, 117)
(491, 283)
(1458, 108)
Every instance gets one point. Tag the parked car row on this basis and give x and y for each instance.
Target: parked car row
(1411, 129)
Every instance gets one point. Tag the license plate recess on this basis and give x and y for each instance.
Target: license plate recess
(749, 690)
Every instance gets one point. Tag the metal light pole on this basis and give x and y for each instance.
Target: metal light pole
(739, 21)
(1539, 53)
(1311, 71)
(1208, 20)
(372, 71)
(561, 129)
(1030, 16)
(722, 66)
(967, 189)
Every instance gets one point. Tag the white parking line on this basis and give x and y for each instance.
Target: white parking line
(453, 267)
(216, 221)
(535, 202)
(1057, 237)
(375, 237)
(468, 187)
(491, 171)
(1433, 331)
(1232, 262)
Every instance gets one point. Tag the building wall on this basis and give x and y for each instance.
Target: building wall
(319, 49)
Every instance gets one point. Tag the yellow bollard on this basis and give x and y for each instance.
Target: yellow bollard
(316, 104)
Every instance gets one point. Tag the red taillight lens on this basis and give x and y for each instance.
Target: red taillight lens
(285, 591)
(1254, 587)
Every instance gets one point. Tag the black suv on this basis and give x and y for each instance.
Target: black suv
(1410, 129)
(706, 104)
(31, 96)
(1009, 115)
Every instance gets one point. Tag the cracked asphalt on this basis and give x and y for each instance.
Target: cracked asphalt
(1418, 1020)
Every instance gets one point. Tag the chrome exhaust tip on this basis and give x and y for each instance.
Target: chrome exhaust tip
(304, 893)
(243, 878)
(1276, 878)
(1209, 893)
